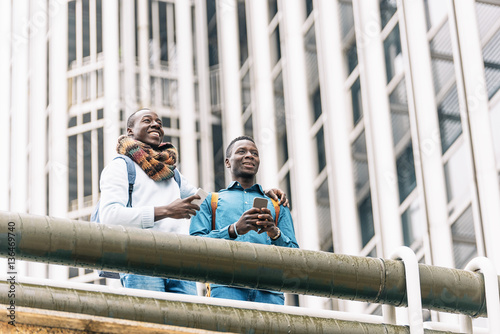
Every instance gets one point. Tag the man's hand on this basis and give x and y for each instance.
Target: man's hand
(252, 220)
(178, 209)
(267, 225)
(277, 195)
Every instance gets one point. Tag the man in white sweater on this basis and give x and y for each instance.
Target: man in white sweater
(159, 203)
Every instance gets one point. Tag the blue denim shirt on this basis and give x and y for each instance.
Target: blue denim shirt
(233, 202)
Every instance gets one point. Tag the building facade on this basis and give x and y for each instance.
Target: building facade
(379, 118)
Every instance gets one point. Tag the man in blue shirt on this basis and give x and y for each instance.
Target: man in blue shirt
(236, 219)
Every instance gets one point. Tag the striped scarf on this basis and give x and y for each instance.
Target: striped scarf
(158, 164)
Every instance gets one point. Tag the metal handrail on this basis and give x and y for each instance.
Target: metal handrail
(109, 247)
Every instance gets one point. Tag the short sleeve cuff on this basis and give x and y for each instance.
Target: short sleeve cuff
(148, 217)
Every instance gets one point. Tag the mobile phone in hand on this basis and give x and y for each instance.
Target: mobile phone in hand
(259, 202)
(203, 194)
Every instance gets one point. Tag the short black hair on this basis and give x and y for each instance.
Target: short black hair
(131, 118)
(231, 144)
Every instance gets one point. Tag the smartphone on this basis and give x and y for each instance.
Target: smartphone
(203, 194)
(259, 202)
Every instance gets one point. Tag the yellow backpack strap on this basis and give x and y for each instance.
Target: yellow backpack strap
(276, 210)
(214, 202)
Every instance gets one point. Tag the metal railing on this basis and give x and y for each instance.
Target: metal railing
(115, 248)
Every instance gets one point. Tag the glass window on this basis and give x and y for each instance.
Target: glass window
(393, 55)
(71, 32)
(488, 15)
(435, 11)
(100, 114)
(100, 82)
(406, 173)
(324, 219)
(219, 156)
(273, 8)
(412, 225)
(450, 124)
(316, 104)
(309, 7)
(359, 155)
(387, 10)
(87, 117)
(72, 122)
(357, 105)
(399, 113)
(464, 239)
(99, 25)
(320, 149)
(72, 173)
(87, 164)
(443, 73)
(280, 118)
(242, 27)
(246, 96)
(248, 128)
(458, 175)
(86, 28)
(275, 46)
(366, 220)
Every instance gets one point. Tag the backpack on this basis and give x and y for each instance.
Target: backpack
(94, 217)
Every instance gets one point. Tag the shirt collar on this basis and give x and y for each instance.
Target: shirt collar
(256, 187)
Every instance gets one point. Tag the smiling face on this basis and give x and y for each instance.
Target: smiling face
(244, 160)
(146, 128)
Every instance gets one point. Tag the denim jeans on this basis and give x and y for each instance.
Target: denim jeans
(259, 296)
(158, 284)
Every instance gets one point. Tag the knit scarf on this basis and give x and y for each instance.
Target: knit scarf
(158, 164)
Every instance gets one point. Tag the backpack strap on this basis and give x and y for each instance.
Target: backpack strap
(131, 176)
(177, 177)
(214, 201)
(276, 210)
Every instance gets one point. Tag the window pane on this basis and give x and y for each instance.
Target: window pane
(242, 25)
(324, 221)
(246, 96)
(366, 220)
(387, 10)
(357, 106)
(320, 148)
(489, 14)
(406, 173)
(458, 175)
(393, 55)
(443, 73)
(280, 118)
(275, 46)
(360, 160)
(72, 173)
(86, 28)
(464, 239)
(273, 8)
(248, 129)
(71, 32)
(87, 164)
(412, 225)
(99, 25)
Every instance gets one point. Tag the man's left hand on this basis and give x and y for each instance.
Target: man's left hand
(277, 195)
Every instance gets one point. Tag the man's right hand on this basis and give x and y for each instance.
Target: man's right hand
(248, 221)
(178, 209)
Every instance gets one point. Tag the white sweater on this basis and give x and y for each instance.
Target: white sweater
(146, 196)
